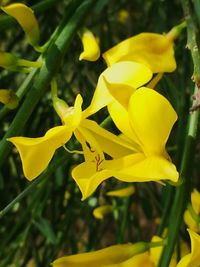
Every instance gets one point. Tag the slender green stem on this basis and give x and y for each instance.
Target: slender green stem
(48, 70)
(182, 192)
(52, 168)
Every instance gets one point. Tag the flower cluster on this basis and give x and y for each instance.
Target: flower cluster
(143, 116)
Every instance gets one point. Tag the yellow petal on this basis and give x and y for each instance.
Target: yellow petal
(110, 255)
(190, 222)
(127, 73)
(139, 260)
(101, 211)
(36, 153)
(124, 192)
(135, 168)
(152, 118)
(192, 259)
(153, 50)
(109, 143)
(88, 178)
(91, 50)
(121, 119)
(26, 18)
(195, 199)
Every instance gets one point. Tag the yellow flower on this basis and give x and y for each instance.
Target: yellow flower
(151, 49)
(113, 256)
(26, 19)
(192, 259)
(91, 51)
(36, 153)
(101, 211)
(146, 121)
(124, 192)
(191, 223)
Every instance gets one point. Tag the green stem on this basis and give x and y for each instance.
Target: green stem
(182, 192)
(48, 70)
(52, 168)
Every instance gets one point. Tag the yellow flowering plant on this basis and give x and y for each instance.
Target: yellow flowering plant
(117, 136)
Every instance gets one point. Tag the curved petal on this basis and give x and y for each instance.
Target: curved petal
(128, 73)
(121, 119)
(36, 153)
(91, 51)
(195, 253)
(88, 178)
(154, 50)
(142, 169)
(27, 20)
(152, 118)
(103, 257)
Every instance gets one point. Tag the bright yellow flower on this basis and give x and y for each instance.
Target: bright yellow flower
(124, 192)
(101, 211)
(146, 121)
(192, 259)
(113, 256)
(26, 19)
(151, 49)
(91, 50)
(191, 223)
(36, 153)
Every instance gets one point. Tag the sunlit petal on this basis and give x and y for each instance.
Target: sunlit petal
(142, 169)
(27, 20)
(128, 73)
(36, 153)
(121, 119)
(153, 50)
(88, 178)
(91, 51)
(111, 255)
(152, 118)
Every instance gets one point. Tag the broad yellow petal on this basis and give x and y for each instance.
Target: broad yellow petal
(88, 178)
(103, 257)
(91, 50)
(27, 20)
(36, 153)
(152, 118)
(154, 50)
(128, 73)
(142, 169)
